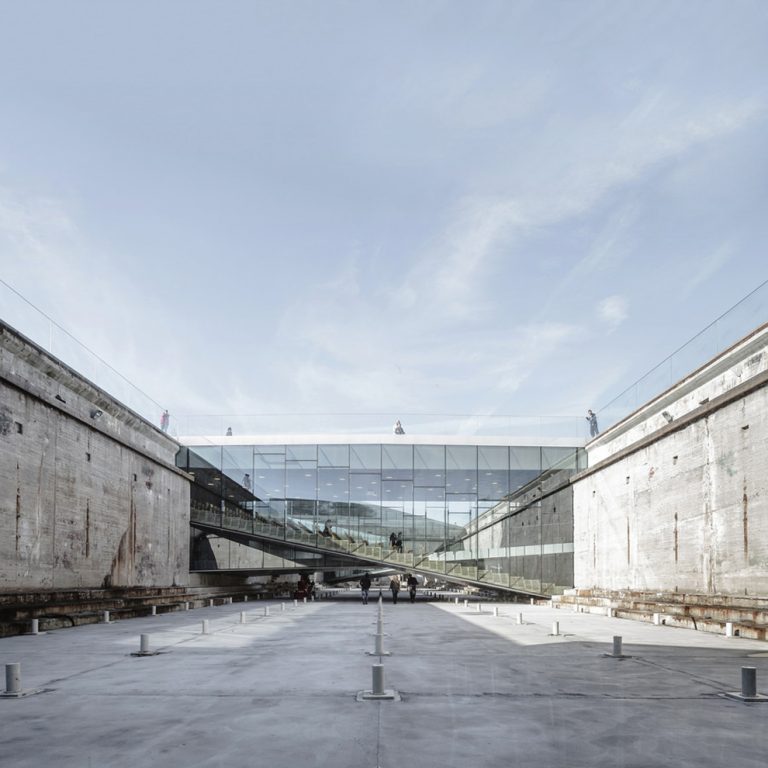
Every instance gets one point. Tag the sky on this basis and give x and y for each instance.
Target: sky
(394, 207)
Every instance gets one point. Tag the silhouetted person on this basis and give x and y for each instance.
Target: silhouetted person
(365, 585)
(412, 584)
(398, 428)
(229, 432)
(393, 540)
(399, 542)
(247, 482)
(165, 420)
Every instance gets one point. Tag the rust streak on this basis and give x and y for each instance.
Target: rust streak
(677, 540)
(745, 519)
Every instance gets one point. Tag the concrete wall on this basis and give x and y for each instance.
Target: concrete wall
(86, 500)
(683, 504)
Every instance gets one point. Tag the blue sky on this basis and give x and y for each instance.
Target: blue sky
(490, 207)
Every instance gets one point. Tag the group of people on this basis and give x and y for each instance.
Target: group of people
(396, 541)
(394, 587)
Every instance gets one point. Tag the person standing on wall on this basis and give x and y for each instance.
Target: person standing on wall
(165, 420)
(592, 419)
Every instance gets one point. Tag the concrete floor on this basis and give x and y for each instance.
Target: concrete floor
(477, 690)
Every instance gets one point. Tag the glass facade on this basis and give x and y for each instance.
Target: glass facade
(460, 510)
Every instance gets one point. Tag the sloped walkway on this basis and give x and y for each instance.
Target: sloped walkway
(477, 689)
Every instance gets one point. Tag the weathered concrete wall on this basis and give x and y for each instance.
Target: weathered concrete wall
(683, 504)
(86, 499)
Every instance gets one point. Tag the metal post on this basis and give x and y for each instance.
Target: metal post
(749, 682)
(495, 610)
(266, 610)
(144, 644)
(479, 608)
(519, 618)
(206, 627)
(657, 619)
(555, 627)
(282, 606)
(186, 606)
(154, 610)
(729, 629)
(13, 678)
(105, 617)
(210, 603)
(377, 688)
(242, 617)
(379, 645)
(617, 645)
(532, 603)
(245, 599)
(35, 626)
(295, 603)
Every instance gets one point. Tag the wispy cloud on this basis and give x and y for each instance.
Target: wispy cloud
(613, 311)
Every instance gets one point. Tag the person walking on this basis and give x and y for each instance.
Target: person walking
(365, 585)
(394, 586)
(412, 584)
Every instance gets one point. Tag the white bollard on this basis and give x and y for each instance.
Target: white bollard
(144, 644)
(242, 617)
(266, 610)
(657, 619)
(729, 629)
(377, 687)
(379, 646)
(532, 602)
(186, 606)
(13, 678)
(495, 610)
(519, 618)
(479, 608)
(295, 603)
(466, 603)
(210, 603)
(617, 645)
(229, 601)
(282, 606)
(245, 599)
(35, 626)
(555, 627)
(456, 600)
(305, 599)
(105, 617)
(206, 627)
(154, 610)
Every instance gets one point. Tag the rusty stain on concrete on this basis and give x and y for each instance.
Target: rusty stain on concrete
(745, 519)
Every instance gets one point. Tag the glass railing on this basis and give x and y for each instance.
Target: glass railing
(745, 316)
(24, 317)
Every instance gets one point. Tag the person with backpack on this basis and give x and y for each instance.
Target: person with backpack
(365, 585)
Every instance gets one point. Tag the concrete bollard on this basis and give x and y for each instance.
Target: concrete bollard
(245, 598)
(749, 682)
(105, 617)
(210, 603)
(229, 601)
(35, 627)
(266, 610)
(282, 606)
(479, 608)
(555, 628)
(295, 603)
(13, 678)
(617, 645)
(466, 603)
(305, 599)
(495, 610)
(186, 606)
(377, 686)
(532, 603)
(519, 618)
(206, 627)
(144, 644)
(456, 600)
(154, 610)
(729, 629)
(242, 617)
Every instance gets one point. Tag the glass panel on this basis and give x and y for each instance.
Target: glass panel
(429, 465)
(333, 455)
(527, 457)
(461, 457)
(365, 457)
(397, 462)
(562, 458)
(301, 452)
(268, 476)
(205, 456)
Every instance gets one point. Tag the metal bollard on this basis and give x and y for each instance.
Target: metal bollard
(242, 617)
(282, 606)
(295, 603)
(377, 687)
(206, 627)
(749, 682)
(13, 678)
(466, 603)
(245, 599)
(495, 610)
(266, 610)
(555, 627)
(186, 606)
(154, 610)
(210, 603)
(617, 645)
(305, 599)
(657, 619)
(456, 600)
(144, 644)
(479, 608)
(105, 617)
(519, 618)
(532, 603)
(229, 601)
(729, 629)
(35, 626)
